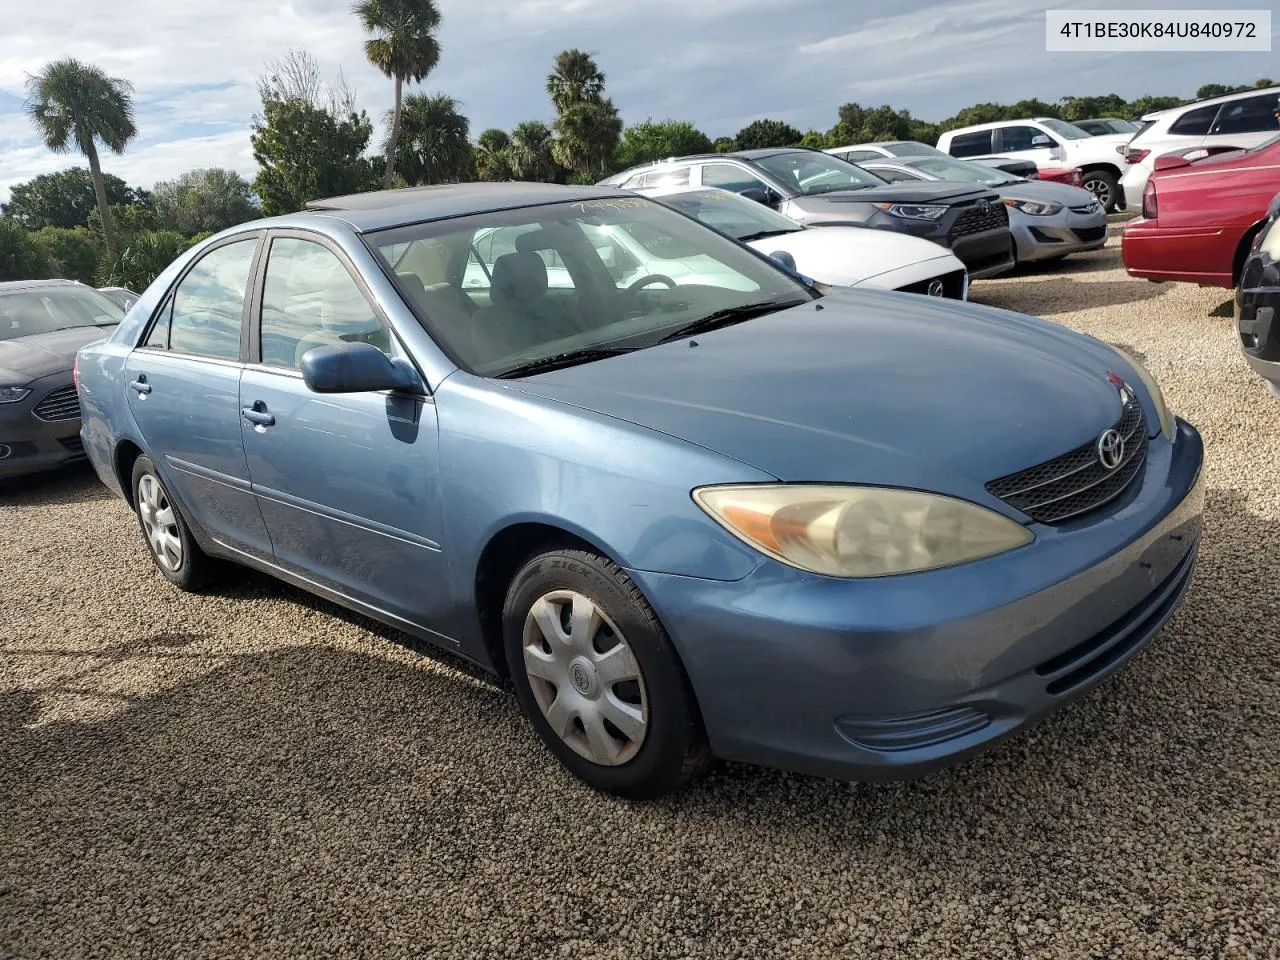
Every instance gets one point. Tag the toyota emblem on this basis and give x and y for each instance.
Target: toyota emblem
(1110, 449)
(936, 288)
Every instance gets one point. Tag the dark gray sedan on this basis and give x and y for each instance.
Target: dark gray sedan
(42, 325)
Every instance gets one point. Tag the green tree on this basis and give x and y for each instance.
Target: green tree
(767, 133)
(306, 153)
(63, 199)
(588, 135)
(75, 104)
(724, 145)
(574, 78)
(143, 256)
(434, 144)
(657, 140)
(531, 155)
(1087, 108)
(1148, 104)
(493, 155)
(21, 258)
(73, 253)
(403, 46)
(816, 140)
(209, 199)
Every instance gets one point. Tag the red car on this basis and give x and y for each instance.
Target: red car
(1071, 176)
(1200, 212)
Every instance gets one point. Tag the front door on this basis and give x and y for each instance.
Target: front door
(183, 386)
(1030, 143)
(348, 483)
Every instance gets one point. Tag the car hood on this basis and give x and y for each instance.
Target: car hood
(1047, 192)
(868, 387)
(917, 192)
(24, 359)
(848, 255)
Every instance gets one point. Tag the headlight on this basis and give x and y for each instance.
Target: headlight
(913, 211)
(1153, 391)
(847, 531)
(12, 394)
(1033, 207)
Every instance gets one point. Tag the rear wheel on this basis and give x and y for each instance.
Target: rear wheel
(172, 547)
(598, 678)
(1104, 186)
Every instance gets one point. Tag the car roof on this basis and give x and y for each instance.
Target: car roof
(19, 286)
(382, 209)
(1210, 101)
(997, 123)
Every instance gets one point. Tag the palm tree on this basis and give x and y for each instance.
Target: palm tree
(493, 155)
(574, 78)
(403, 45)
(588, 135)
(434, 145)
(531, 157)
(74, 104)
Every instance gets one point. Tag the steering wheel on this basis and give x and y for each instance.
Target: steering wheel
(648, 279)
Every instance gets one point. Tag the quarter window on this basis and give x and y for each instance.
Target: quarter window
(310, 300)
(207, 306)
(970, 144)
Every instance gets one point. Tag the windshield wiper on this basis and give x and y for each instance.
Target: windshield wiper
(762, 234)
(560, 360)
(729, 316)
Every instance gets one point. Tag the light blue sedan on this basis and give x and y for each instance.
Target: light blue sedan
(857, 535)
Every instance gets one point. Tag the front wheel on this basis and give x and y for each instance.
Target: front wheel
(1104, 187)
(598, 678)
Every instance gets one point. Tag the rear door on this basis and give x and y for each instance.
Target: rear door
(183, 389)
(349, 484)
(965, 146)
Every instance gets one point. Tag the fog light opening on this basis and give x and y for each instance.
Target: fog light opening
(5, 451)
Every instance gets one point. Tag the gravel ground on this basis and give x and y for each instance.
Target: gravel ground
(254, 773)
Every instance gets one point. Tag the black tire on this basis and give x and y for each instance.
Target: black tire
(1095, 181)
(195, 568)
(674, 747)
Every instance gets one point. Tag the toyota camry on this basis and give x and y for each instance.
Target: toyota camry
(717, 513)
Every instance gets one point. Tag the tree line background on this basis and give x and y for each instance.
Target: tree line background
(311, 139)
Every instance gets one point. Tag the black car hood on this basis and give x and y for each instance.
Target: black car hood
(28, 358)
(939, 191)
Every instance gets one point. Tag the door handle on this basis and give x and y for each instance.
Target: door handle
(140, 385)
(258, 415)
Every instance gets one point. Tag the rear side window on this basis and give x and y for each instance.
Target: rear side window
(670, 177)
(208, 304)
(1194, 123)
(970, 144)
(1251, 115)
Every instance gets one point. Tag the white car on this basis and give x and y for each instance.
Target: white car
(836, 256)
(1047, 141)
(1236, 120)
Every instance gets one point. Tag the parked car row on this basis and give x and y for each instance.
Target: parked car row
(637, 489)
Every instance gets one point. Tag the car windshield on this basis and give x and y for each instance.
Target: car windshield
(730, 213)
(46, 309)
(1067, 131)
(813, 173)
(913, 148)
(949, 169)
(560, 283)
(1121, 126)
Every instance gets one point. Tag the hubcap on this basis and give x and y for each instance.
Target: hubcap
(1102, 190)
(585, 678)
(159, 523)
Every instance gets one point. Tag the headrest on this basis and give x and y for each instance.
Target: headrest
(413, 286)
(518, 278)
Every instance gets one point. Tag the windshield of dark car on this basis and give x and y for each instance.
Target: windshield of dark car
(965, 172)
(729, 213)
(46, 309)
(913, 148)
(504, 289)
(814, 173)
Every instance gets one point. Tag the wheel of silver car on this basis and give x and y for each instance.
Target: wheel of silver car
(169, 540)
(585, 678)
(159, 523)
(598, 677)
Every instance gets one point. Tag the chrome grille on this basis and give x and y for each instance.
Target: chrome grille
(1077, 482)
(60, 404)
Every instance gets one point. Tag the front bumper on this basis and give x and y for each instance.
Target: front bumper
(894, 678)
(30, 444)
(1040, 238)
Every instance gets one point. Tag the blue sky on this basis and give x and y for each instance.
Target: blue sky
(721, 65)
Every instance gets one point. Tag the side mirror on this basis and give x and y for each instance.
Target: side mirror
(1041, 141)
(356, 368)
(758, 194)
(786, 259)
